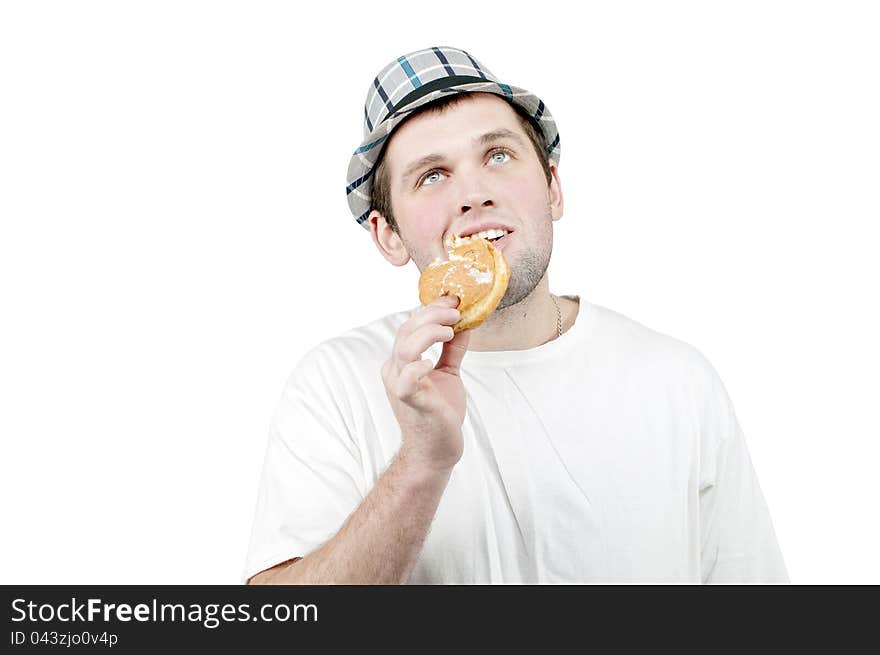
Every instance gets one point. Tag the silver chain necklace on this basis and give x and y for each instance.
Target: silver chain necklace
(558, 316)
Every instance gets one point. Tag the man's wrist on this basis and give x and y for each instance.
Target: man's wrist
(416, 472)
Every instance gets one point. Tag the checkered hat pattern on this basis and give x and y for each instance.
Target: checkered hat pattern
(416, 79)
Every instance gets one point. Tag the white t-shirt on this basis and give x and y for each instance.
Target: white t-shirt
(609, 455)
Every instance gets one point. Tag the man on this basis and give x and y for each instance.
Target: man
(558, 442)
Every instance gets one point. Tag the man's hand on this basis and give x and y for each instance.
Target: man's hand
(381, 540)
(428, 401)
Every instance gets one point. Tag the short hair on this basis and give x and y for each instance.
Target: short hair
(381, 195)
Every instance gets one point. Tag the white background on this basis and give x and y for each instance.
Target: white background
(175, 236)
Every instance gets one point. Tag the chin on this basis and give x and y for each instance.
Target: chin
(525, 276)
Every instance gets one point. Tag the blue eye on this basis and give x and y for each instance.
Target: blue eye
(495, 154)
(427, 178)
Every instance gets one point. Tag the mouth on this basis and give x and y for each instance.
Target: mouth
(496, 236)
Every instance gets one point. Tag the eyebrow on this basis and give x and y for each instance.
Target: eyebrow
(483, 139)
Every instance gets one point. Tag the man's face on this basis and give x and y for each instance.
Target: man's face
(467, 169)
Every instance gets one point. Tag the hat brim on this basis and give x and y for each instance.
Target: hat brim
(360, 169)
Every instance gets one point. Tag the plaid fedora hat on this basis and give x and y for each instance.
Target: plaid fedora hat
(416, 79)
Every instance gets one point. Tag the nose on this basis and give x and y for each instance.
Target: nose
(477, 195)
(486, 203)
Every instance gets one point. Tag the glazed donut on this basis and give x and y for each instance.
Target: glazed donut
(476, 272)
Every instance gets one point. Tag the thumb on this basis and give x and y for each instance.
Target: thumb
(453, 353)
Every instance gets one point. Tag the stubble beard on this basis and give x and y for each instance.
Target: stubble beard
(524, 278)
(530, 269)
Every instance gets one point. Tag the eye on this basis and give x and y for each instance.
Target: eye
(499, 156)
(430, 178)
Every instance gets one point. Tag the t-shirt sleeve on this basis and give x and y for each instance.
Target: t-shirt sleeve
(739, 543)
(312, 477)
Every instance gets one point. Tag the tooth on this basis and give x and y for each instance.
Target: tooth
(484, 234)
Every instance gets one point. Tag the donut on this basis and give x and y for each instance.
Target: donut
(475, 271)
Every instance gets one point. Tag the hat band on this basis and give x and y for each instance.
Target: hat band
(434, 85)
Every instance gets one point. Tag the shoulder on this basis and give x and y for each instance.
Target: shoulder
(629, 341)
(651, 360)
(341, 373)
(359, 348)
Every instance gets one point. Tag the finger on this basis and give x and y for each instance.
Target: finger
(447, 301)
(438, 304)
(439, 314)
(410, 349)
(407, 384)
(453, 353)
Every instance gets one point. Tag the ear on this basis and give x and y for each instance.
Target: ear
(555, 192)
(387, 240)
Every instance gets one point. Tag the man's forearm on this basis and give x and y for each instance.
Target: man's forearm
(381, 540)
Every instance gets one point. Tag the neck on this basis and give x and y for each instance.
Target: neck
(527, 324)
